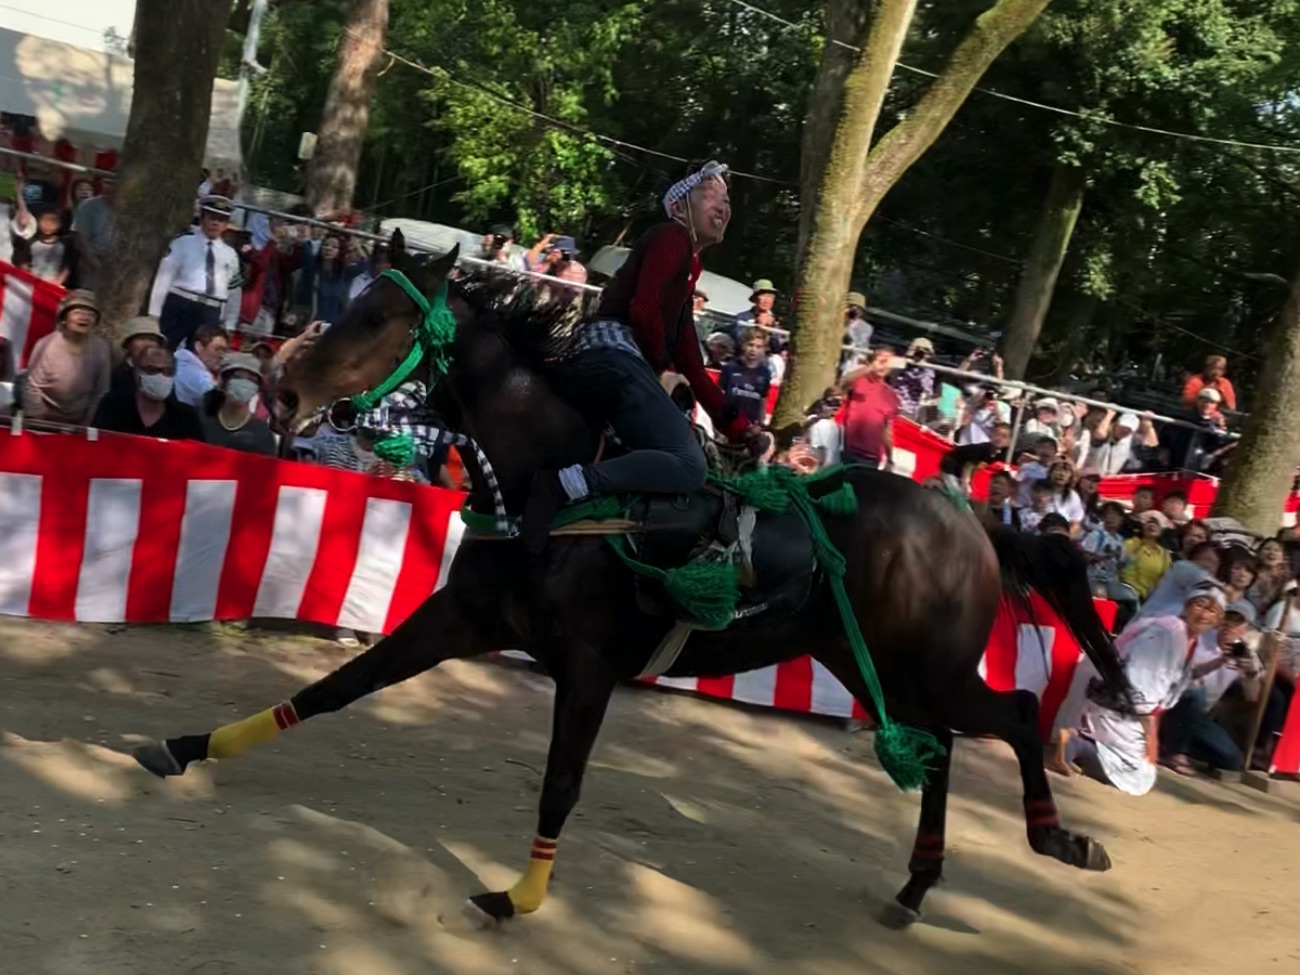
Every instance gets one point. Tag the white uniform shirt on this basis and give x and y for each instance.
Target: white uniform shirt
(359, 284)
(192, 377)
(185, 268)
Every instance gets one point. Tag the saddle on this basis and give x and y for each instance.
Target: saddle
(772, 553)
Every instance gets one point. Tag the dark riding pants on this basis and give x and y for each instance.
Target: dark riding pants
(620, 387)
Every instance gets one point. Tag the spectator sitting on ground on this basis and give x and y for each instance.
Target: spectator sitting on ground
(1221, 661)
(997, 508)
(1054, 524)
(1034, 468)
(1040, 505)
(68, 371)
(151, 409)
(1065, 500)
(1237, 571)
(226, 414)
(746, 379)
(914, 383)
(1273, 576)
(962, 461)
(1087, 484)
(196, 366)
(1145, 559)
(142, 332)
(1201, 565)
(1144, 500)
(1124, 750)
(1104, 549)
(868, 414)
(1211, 377)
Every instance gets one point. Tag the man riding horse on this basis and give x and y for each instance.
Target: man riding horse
(644, 325)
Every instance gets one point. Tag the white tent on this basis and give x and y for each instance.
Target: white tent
(84, 96)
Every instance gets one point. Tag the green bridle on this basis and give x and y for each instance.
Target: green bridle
(433, 335)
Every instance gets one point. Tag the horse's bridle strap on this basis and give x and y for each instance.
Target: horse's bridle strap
(433, 333)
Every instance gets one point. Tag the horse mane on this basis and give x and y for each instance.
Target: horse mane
(538, 331)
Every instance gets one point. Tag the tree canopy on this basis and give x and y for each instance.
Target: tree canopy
(573, 118)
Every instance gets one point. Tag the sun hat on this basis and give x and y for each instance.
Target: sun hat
(240, 361)
(140, 326)
(1153, 515)
(855, 299)
(77, 298)
(921, 344)
(763, 287)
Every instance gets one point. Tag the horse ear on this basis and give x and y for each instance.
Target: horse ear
(397, 246)
(436, 271)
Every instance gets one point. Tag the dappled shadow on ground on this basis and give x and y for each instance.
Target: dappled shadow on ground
(709, 839)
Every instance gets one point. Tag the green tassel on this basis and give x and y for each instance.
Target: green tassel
(398, 449)
(706, 590)
(841, 502)
(906, 754)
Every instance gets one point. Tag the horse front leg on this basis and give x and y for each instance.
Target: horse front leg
(436, 632)
(582, 694)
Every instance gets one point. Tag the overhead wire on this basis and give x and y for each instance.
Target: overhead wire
(1029, 103)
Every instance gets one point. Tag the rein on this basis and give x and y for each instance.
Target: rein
(432, 338)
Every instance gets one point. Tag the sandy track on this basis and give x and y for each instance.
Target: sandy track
(709, 839)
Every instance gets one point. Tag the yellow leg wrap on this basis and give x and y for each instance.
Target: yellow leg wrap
(528, 893)
(235, 739)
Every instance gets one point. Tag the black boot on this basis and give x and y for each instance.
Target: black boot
(545, 499)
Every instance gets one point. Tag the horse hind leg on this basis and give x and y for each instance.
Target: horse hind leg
(1012, 716)
(434, 633)
(582, 694)
(926, 863)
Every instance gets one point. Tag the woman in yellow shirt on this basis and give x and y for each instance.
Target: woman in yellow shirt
(1145, 559)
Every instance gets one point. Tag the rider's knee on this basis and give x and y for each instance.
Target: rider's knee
(694, 467)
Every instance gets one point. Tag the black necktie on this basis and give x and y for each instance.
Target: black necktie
(210, 270)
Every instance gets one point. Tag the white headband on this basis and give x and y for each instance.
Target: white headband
(682, 188)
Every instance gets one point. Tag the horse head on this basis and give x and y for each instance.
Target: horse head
(376, 334)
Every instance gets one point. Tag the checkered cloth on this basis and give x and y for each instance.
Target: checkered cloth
(604, 334)
(682, 188)
(406, 411)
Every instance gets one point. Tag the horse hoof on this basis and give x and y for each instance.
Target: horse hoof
(1096, 858)
(158, 759)
(488, 910)
(898, 917)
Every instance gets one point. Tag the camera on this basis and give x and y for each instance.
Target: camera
(1239, 649)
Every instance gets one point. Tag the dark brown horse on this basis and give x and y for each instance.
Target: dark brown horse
(925, 581)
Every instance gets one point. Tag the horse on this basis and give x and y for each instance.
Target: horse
(924, 579)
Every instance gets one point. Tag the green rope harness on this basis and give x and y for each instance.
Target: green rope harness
(707, 589)
(434, 334)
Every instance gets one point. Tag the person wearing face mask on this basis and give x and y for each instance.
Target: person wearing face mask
(142, 332)
(150, 409)
(644, 326)
(226, 413)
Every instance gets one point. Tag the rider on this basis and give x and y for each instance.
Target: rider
(644, 325)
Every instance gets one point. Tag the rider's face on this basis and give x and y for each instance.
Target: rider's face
(710, 206)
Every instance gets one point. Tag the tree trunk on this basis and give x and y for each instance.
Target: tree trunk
(177, 46)
(332, 174)
(842, 188)
(1263, 464)
(1038, 280)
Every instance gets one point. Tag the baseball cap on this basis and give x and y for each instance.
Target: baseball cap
(1211, 394)
(1128, 421)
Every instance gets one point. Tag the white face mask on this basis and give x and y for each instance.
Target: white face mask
(156, 386)
(243, 390)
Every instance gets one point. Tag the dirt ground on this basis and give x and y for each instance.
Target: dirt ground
(710, 838)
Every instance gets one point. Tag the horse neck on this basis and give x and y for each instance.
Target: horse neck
(522, 425)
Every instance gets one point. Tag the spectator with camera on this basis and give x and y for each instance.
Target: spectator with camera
(550, 254)
(914, 383)
(498, 248)
(1222, 660)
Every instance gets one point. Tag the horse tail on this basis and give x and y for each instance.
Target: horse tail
(1053, 567)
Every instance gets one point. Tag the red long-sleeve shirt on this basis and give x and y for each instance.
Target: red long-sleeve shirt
(651, 293)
